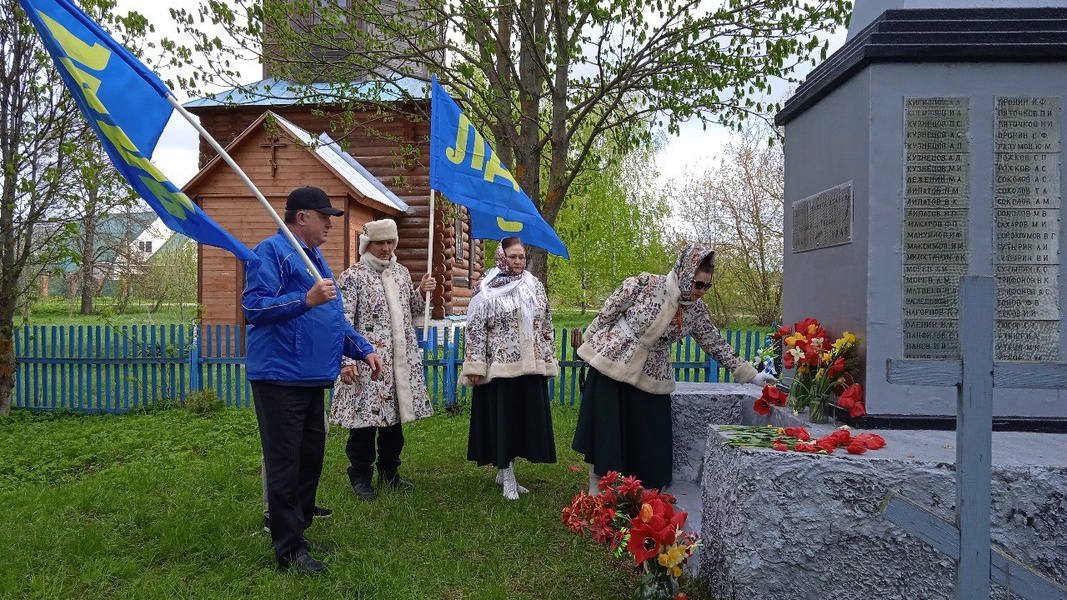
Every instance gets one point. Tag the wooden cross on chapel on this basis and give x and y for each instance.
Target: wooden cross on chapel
(273, 144)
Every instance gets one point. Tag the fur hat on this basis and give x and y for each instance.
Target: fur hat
(375, 231)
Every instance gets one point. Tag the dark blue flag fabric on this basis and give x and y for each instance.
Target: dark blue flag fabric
(464, 167)
(126, 105)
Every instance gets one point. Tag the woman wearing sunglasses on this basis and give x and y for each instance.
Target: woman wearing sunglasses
(624, 423)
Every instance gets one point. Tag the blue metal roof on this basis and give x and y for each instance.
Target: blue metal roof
(279, 92)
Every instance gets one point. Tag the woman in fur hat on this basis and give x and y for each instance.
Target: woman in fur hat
(509, 358)
(624, 423)
(379, 302)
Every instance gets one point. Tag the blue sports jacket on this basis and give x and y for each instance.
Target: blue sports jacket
(287, 340)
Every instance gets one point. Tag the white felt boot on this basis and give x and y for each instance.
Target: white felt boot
(500, 478)
(511, 487)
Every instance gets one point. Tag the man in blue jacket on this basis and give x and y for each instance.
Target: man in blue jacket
(296, 336)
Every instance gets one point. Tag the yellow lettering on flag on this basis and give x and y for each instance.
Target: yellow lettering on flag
(459, 153)
(494, 169)
(93, 56)
(177, 204)
(88, 85)
(509, 226)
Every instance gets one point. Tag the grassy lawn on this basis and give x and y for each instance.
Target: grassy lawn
(64, 311)
(167, 505)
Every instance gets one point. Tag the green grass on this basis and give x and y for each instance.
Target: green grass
(167, 505)
(573, 318)
(64, 311)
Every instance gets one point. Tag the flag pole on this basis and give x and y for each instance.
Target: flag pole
(251, 186)
(429, 269)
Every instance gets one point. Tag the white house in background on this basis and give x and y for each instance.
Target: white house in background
(149, 241)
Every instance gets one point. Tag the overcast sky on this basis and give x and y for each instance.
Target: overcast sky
(176, 154)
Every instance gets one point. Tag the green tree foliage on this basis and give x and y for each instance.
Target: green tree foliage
(169, 276)
(738, 206)
(546, 80)
(615, 224)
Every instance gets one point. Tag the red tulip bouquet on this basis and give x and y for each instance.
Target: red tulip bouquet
(640, 523)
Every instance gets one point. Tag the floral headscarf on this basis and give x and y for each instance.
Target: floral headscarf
(685, 269)
(506, 274)
(507, 290)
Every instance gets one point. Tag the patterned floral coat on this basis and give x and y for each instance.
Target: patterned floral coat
(495, 346)
(381, 311)
(630, 338)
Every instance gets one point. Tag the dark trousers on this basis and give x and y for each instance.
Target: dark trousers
(360, 451)
(293, 435)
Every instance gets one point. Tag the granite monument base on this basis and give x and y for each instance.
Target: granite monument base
(790, 524)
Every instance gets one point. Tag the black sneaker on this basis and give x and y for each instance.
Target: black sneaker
(320, 547)
(364, 490)
(305, 564)
(395, 481)
(322, 513)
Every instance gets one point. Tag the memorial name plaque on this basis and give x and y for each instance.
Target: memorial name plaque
(1027, 198)
(1026, 240)
(931, 291)
(1027, 340)
(1030, 180)
(1026, 124)
(935, 338)
(935, 236)
(823, 220)
(1028, 292)
(937, 167)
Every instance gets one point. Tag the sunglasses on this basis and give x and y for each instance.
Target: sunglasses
(700, 285)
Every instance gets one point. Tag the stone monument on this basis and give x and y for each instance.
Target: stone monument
(930, 147)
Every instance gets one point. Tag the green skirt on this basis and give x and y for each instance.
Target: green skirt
(511, 418)
(624, 429)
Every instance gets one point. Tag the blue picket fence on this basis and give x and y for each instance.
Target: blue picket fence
(113, 369)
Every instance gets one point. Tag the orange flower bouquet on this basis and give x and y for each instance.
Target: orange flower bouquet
(822, 369)
(639, 523)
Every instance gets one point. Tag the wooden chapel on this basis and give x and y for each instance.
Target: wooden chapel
(375, 170)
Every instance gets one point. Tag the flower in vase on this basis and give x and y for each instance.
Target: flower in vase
(852, 399)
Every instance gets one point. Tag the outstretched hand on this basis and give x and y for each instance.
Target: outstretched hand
(375, 363)
(762, 379)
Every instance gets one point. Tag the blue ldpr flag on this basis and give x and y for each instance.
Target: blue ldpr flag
(464, 167)
(126, 105)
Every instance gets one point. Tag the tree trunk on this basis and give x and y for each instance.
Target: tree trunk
(8, 364)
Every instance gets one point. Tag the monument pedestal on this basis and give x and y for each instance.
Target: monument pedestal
(777, 524)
